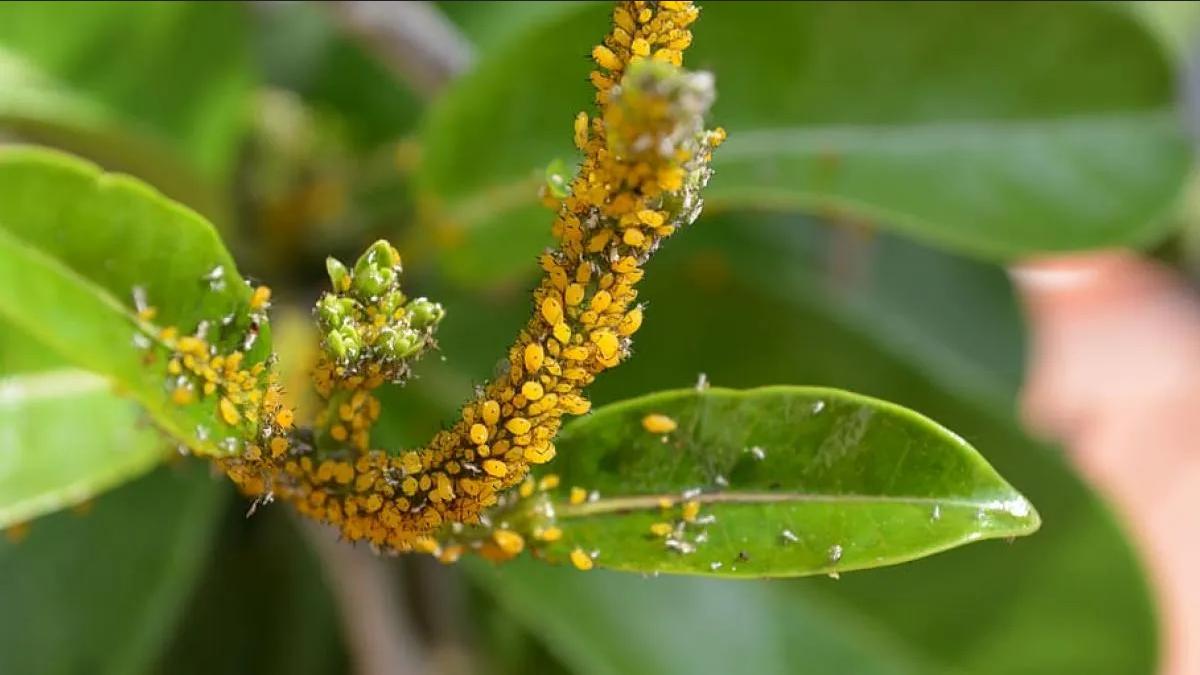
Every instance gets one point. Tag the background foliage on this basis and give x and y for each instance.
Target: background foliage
(885, 159)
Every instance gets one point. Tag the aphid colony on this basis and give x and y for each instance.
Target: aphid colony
(647, 157)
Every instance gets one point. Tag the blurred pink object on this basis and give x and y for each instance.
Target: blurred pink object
(1114, 375)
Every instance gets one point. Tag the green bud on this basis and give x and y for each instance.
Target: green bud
(337, 347)
(349, 346)
(329, 311)
(423, 313)
(377, 257)
(338, 274)
(400, 344)
(333, 312)
(372, 283)
(390, 302)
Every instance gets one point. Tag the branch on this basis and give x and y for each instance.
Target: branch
(412, 38)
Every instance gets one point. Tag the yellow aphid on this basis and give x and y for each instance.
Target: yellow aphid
(510, 542)
(338, 433)
(548, 482)
(479, 434)
(534, 356)
(411, 463)
(623, 19)
(425, 545)
(579, 353)
(581, 131)
(630, 323)
(661, 529)
(539, 454)
(599, 241)
(562, 333)
(285, 418)
(549, 534)
(495, 467)
(607, 343)
(575, 404)
(690, 511)
(552, 310)
(490, 410)
(532, 391)
(578, 496)
(601, 301)
(526, 489)
(229, 412)
(573, 295)
(659, 424)
(625, 265)
(279, 446)
(182, 395)
(262, 296)
(581, 560)
(633, 237)
(518, 426)
(651, 218)
(148, 313)
(604, 58)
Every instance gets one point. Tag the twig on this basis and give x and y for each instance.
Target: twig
(412, 38)
(379, 635)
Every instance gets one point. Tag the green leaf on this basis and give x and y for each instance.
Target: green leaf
(102, 593)
(607, 623)
(39, 109)
(182, 73)
(75, 243)
(46, 464)
(264, 599)
(926, 118)
(752, 300)
(788, 481)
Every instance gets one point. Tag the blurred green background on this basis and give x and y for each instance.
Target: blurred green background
(892, 156)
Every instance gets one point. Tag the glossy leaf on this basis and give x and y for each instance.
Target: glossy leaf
(64, 436)
(101, 593)
(926, 118)
(74, 244)
(787, 481)
(182, 72)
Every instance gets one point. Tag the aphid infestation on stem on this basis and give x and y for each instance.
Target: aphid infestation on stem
(646, 160)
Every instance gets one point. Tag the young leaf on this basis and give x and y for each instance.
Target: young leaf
(77, 250)
(772, 482)
(928, 118)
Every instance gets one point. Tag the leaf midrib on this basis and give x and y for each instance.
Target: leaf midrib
(654, 502)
